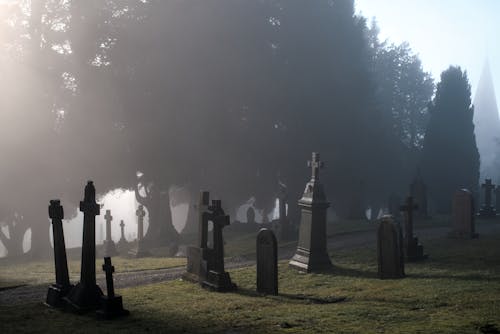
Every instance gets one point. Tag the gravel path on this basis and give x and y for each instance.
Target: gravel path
(30, 293)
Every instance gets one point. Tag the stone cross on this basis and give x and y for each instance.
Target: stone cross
(267, 262)
(109, 245)
(122, 230)
(86, 294)
(140, 213)
(109, 270)
(413, 250)
(315, 165)
(220, 220)
(108, 217)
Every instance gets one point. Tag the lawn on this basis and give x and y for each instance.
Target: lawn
(457, 290)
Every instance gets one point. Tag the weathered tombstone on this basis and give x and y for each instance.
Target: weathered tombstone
(122, 243)
(487, 210)
(140, 249)
(497, 196)
(111, 305)
(463, 215)
(413, 250)
(109, 244)
(86, 295)
(216, 277)
(390, 249)
(251, 215)
(312, 254)
(267, 262)
(62, 286)
(418, 190)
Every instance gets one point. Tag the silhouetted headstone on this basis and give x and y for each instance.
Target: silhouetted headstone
(62, 286)
(122, 243)
(487, 210)
(418, 190)
(311, 254)
(109, 245)
(251, 216)
(463, 215)
(140, 250)
(111, 305)
(497, 196)
(390, 249)
(413, 250)
(267, 262)
(86, 295)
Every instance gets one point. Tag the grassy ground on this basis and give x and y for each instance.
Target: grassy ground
(457, 290)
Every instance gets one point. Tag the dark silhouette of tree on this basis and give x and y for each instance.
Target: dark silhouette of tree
(450, 158)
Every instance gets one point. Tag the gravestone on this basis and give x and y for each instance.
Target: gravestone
(122, 243)
(86, 295)
(311, 254)
(487, 210)
(413, 250)
(390, 249)
(463, 215)
(283, 226)
(140, 249)
(62, 286)
(267, 262)
(497, 197)
(251, 216)
(109, 245)
(111, 305)
(418, 190)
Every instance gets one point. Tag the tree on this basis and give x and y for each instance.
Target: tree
(450, 158)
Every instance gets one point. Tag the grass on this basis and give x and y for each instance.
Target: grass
(457, 290)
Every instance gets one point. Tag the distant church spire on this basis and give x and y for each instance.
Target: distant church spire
(487, 122)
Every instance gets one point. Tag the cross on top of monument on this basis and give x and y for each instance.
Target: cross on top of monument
(315, 165)
(108, 216)
(140, 211)
(56, 210)
(122, 224)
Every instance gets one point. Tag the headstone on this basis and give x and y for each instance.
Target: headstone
(111, 305)
(413, 250)
(251, 216)
(86, 295)
(109, 245)
(205, 265)
(463, 215)
(140, 249)
(312, 254)
(62, 286)
(497, 196)
(284, 228)
(122, 243)
(267, 262)
(487, 210)
(418, 190)
(390, 249)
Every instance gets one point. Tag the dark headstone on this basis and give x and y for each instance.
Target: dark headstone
(418, 190)
(487, 210)
(140, 250)
(311, 254)
(250, 215)
(413, 250)
(122, 243)
(267, 262)
(62, 286)
(390, 249)
(86, 295)
(111, 305)
(109, 245)
(463, 215)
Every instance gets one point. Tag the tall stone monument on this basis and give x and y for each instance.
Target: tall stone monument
(122, 243)
(413, 250)
(418, 190)
(390, 253)
(267, 262)
(312, 254)
(62, 286)
(86, 295)
(463, 215)
(487, 210)
(109, 244)
(140, 250)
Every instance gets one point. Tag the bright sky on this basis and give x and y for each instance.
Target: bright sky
(443, 32)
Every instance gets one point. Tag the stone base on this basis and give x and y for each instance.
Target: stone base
(122, 244)
(109, 248)
(83, 298)
(196, 269)
(487, 212)
(463, 235)
(415, 251)
(220, 282)
(305, 261)
(139, 252)
(56, 294)
(111, 308)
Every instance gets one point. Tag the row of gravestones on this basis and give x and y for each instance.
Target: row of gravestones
(86, 295)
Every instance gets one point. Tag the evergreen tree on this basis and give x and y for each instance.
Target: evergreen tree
(450, 158)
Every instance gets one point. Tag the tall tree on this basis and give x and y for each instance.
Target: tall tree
(450, 158)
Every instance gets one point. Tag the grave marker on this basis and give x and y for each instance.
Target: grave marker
(463, 215)
(267, 262)
(140, 249)
(418, 190)
(122, 243)
(109, 245)
(487, 210)
(413, 250)
(111, 305)
(390, 249)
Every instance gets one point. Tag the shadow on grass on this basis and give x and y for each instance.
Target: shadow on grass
(292, 298)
